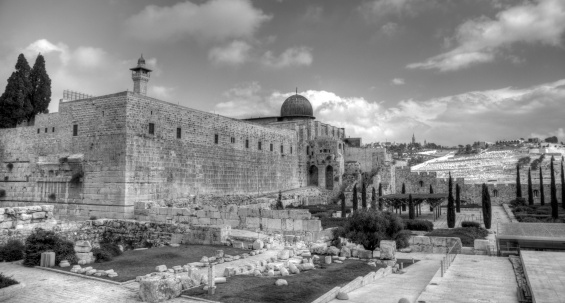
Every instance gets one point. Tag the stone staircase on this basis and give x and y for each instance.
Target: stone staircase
(473, 278)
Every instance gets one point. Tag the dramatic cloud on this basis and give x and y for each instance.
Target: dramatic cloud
(398, 81)
(215, 20)
(481, 115)
(235, 53)
(480, 40)
(295, 56)
(378, 9)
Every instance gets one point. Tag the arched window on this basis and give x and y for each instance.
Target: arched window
(421, 183)
(495, 193)
(536, 193)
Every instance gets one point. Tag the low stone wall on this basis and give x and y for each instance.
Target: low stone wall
(509, 212)
(289, 221)
(435, 245)
(358, 282)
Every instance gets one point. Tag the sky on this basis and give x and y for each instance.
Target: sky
(449, 71)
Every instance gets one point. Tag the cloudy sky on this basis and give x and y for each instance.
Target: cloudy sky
(452, 72)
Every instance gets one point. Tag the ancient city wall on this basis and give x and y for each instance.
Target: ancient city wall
(43, 164)
(160, 165)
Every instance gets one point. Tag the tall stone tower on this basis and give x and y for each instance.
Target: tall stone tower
(413, 139)
(140, 77)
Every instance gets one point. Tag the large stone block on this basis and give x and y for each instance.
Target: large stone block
(159, 288)
(38, 215)
(421, 240)
(388, 250)
(438, 241)
(82, 246)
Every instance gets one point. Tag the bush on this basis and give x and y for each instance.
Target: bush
(518, 202)
(106, 252)
(423, 225)
(93, 218)
(10, 166)
(42, 241)
(368, 227)
(6, 281)
(76, 178)
(470, 224)
(13, 250)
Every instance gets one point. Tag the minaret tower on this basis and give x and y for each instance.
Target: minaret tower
(140, 77)
(413, 139)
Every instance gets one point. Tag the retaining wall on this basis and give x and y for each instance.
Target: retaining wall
(435, 245)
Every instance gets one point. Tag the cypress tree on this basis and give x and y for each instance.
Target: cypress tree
(14, 102)
(342, 198)
(530, 190)
(487, 209)
(380, 195)
(373, 198)
(457, 198)
(541, 191)
(355, 198)
(403, 188)
(364, 196)
(40, 93)
(553, 192)
(450, 205)
(562, 184)
(410, 207)
(518, 184)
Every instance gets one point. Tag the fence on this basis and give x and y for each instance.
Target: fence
(449, 257)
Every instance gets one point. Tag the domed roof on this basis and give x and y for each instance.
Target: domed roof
(296, 106)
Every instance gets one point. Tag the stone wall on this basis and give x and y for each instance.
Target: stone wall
(435, 245)
(291, 221)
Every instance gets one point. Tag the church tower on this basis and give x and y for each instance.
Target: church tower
(140, 77)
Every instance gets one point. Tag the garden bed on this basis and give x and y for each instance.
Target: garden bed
(466, 234)
(537, 213)
(304, 287)
(133, 263)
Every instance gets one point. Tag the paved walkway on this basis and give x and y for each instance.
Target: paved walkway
(396, 286)
(474, 278)
(50, 287)
(545, 271)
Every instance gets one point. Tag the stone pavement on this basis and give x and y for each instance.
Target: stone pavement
(396, 286)
(51, 287)
(545, 271)
(474, 278)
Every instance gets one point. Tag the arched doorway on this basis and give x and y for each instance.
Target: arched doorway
(329, 177)
(313, 176)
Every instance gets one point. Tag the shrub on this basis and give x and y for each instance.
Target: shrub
(76, 178)
(6, 281)
(518, 202)
(43, 240)
(13, 250)
(470, 224)
(2, 193)
(93, 218)
(10, 166)
(368, 227)
(423, 225)
(106, 252)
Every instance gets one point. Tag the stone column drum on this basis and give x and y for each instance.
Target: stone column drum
(83, 252)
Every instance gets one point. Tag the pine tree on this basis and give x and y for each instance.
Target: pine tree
(342, 198)
(355, 197)
(530, 190)
(541, 191)
(518, 184)
(40, 93)
(553, 193)
(14, 102)
(403, 188)
(364, 196)
(380, 195)
(373, 198)
(562, 184)
(410, 208)
(450, 205)
(457, 198)
(487, 208)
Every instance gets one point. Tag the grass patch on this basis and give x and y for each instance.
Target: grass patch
(304, 287)
(466, 234)
(7, 281)
(133, 263)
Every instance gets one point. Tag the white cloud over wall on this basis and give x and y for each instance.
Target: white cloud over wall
(214, 20)
(481, 39)
(294, 56)
(480, 115)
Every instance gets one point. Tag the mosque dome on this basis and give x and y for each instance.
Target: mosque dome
(297, 106)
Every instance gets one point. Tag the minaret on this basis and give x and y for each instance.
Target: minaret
(140, 77)
(413, 139)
